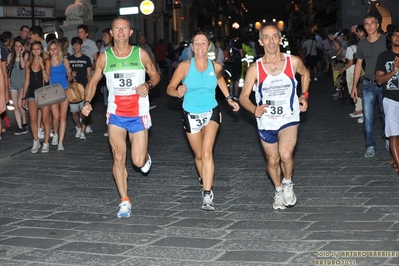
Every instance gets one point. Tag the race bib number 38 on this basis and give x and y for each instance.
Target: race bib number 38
(276, 108)
(123, 84)
(197, 121)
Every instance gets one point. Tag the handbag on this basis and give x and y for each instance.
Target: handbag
(49, 94)
(75, 92)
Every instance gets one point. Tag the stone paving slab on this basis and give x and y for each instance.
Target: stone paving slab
(60, 208)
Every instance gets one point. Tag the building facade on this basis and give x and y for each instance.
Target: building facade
(164, 22)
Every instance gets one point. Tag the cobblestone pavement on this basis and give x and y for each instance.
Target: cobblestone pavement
(60, 208)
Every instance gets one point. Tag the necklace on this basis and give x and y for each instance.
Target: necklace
(273, 69)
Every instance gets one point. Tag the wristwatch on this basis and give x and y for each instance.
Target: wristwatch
(229, 97)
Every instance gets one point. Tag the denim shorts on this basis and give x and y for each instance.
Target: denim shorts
(12, 88)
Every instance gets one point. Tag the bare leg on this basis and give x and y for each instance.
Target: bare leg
(117, 140)
(46, 123)
(17, 113)
(394, 147)
(33, 116)
(287, 141)
(63, 114)
(202, 145)
(55, 111)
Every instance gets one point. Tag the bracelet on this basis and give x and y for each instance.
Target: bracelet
(255, 109)
(86, 102)
(305, 94)
(229, 97)
(23, 99)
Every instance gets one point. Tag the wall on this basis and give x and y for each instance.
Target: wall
(353, 11)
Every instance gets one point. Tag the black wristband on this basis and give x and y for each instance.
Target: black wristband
(229, 97)
(86, 102)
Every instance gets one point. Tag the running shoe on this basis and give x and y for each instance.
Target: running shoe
(207, 201)
(60, 147)
(147, 166)
(78, 131)
(46, 148)
(18, 132)
(289, 197)
(124, 209)
(54, 140)
(370, 152)
(88, 129)
(278, 200)
(40, 133)
(35, 146)
(25, 129)
(82, 135)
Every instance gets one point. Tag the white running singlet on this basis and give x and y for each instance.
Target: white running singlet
(123, 76)
(279, 92)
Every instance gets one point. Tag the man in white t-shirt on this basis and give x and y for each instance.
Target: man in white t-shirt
(89, 47)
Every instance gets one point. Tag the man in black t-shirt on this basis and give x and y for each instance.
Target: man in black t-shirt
(387, 73)
(81, 70)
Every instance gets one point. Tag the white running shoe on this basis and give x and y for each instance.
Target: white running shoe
(54, 140)
(147, 166)
(207, 202)
(124, 209)
(35, 146)
(78, 131)
(40, 133)
(278, 200)
(82, 135)
(289, 197)
(46, 148)
(60, 147)
(88, 129)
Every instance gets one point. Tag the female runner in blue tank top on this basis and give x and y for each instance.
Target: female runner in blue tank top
(201, 115)
(60, 72)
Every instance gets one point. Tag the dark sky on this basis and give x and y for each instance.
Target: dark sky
(258, 8)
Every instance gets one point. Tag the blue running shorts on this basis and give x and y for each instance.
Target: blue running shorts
(271, 136)
(131, 124)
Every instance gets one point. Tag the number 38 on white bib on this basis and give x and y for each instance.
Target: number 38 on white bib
(276, 109)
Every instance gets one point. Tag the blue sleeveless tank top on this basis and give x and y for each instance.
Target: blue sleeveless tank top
(201, 89)
(58, 75)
